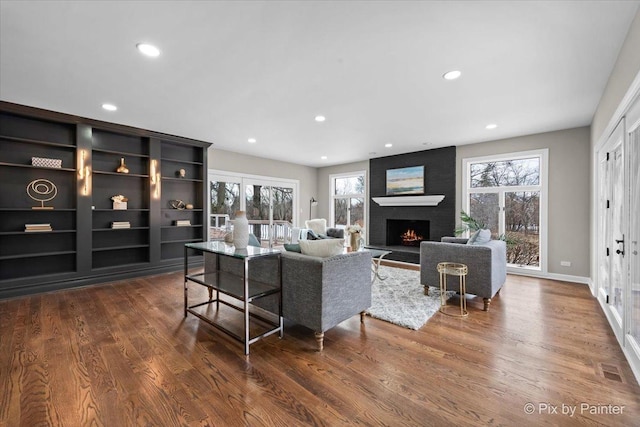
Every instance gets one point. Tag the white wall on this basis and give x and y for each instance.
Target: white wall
(569, 199)
(623, 74)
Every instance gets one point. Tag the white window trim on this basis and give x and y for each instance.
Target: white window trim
(544, 196)
(332, 191)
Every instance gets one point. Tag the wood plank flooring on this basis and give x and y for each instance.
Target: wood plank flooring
(122, 354)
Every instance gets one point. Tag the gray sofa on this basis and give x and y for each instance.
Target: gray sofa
(487, 265)
(319, 293)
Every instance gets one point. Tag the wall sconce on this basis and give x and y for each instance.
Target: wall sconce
(155, 179)
(84, 173)
(312, 202)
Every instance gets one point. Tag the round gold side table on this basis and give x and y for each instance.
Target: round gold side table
(453, 269)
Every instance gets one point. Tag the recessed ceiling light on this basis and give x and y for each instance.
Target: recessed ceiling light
(251, 140)
(148, 49)
(320, 118)
(452, 75)
(323, 157)
(388, 145)
(109, 107)
(491, 126)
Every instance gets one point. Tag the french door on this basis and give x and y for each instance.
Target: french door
(618, 229)
(612, 278)
(269, 203)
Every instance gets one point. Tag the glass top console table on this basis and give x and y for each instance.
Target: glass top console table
(237, 283)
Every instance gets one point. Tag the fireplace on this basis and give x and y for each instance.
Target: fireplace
(407, 232)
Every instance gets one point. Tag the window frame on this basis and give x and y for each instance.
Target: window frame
(333, 196)
(542, 187)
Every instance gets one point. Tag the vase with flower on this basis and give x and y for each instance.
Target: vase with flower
(355, 236)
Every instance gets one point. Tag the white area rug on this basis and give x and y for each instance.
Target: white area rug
(400, 299)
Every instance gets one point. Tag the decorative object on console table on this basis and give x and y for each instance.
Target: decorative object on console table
(119, 202)
(42, 190)
(122, 168)
(355, 236)
(240, 230)
(43, 162)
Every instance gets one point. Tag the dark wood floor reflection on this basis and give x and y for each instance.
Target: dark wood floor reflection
(122, 354)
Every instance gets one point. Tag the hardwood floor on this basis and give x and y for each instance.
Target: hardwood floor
(122, 354)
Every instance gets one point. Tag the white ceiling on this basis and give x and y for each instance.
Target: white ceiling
(230, 71)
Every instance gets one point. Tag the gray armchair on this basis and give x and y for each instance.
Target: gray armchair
(487, 265)
(319, 293)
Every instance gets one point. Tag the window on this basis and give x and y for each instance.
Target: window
(348, 199)
(270, 204)
(507, 193)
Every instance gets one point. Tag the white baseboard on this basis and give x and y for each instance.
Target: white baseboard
(553, 276)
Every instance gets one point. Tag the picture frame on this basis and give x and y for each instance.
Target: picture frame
(405, 181)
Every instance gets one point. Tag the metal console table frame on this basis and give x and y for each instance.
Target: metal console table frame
(238, 287)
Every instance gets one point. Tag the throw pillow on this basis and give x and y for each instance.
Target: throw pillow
(322, 248)
(473, 237)
(318, 226)
(483, 237)
(292, 247)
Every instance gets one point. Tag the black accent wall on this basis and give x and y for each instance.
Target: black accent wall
(440, 178)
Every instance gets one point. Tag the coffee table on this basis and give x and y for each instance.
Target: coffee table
(376, 258)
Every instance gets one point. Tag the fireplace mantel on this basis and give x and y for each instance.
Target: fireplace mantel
(433, 200)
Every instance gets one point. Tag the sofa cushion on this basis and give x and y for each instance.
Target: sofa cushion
(292, 247)
(319, 225)
(480, 237)
(322, 248)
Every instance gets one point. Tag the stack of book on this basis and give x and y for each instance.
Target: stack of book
(37, 227)
(183, 222)
(120, 224)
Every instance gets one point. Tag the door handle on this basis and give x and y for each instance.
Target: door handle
(618, 251)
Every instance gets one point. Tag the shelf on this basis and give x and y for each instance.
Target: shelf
(233, 285)
(36, 210)
(120, 229)
(12, 233)
(120, 153)
(124, 266)
(38, 142)
(409, 200)
(181, 226)
(182, 210)
(120, 210)
(133, 175)
(37, 254)
(186, 162)
(182, 241)
(117, 248)
(168, 178)
(16, 165)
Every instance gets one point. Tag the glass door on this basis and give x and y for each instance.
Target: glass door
(269, 211)
(270, 205)
(612, 272)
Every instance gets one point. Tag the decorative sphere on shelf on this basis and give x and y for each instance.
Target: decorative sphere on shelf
(189, 206)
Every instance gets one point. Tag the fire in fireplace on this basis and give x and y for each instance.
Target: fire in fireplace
(411, 238)
(407, 232)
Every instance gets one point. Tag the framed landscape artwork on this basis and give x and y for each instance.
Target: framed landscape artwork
(408, 180)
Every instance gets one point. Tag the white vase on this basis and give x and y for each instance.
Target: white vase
(240, 230)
